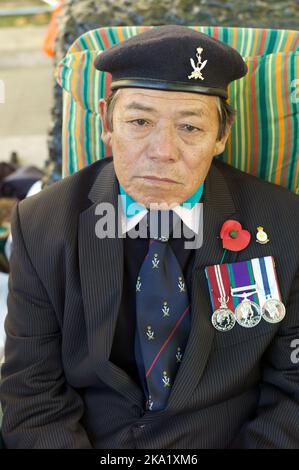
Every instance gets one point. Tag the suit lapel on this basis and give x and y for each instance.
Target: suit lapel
(101, 263)
(218, 206)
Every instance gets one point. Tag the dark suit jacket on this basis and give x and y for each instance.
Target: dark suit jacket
(236, 389)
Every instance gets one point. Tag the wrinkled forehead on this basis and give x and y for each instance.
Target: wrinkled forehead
(157, 100)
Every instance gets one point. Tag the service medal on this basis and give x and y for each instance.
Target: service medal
(223, 319)
(248, 313)
(273, 311)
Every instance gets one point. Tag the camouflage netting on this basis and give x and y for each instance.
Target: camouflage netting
(79, 16)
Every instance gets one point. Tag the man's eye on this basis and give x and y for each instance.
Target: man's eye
(139, 122)
(189, 128)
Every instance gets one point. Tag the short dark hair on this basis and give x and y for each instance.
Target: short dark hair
(226, 113)
(226, 116)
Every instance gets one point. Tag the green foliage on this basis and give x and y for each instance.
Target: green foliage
(257, 13)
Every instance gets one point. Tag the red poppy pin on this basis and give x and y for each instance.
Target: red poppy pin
(234, 237)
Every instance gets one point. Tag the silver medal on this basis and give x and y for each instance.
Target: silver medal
(223, 318)
(273, 311)
(248, 314)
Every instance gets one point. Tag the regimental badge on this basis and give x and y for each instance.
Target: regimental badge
(150, 403)
(166, 380)
(165, 310)
(181, 284)
(179, 356)
(261, 236)
(150, 333)
(196, 74)
(155, 261)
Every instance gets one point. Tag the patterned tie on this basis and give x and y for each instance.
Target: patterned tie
(163, 321)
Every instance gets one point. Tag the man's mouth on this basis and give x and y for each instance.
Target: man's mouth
(160, 180)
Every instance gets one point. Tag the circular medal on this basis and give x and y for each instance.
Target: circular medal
(223, 319)
(248, 314)
(273, 311)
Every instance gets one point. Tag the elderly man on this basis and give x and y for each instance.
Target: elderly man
(142, 341)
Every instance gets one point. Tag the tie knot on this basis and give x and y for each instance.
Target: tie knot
(160, 224)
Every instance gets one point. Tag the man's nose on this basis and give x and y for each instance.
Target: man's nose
(163, 145)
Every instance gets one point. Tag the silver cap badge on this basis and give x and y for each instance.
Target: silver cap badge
(199, 66)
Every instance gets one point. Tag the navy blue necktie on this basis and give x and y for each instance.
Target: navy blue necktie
(163, 321)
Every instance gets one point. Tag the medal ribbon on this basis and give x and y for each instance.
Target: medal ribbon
(266, 279)
(259, 271)
(219, 286)
(241, 275)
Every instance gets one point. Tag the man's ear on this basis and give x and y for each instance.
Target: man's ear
(106, 133)
(220, 144)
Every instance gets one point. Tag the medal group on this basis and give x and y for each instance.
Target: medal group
(244, 293)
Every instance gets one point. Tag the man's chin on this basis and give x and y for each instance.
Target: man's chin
(151, 196)
(160, 203)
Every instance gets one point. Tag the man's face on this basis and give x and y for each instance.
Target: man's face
(162, 143)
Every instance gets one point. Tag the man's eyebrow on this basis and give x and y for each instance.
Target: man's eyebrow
(140, 107)
(184, 113)
(197, 113)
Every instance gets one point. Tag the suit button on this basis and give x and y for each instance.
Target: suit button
(138, 429)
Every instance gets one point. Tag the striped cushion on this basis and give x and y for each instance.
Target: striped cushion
(264, 138)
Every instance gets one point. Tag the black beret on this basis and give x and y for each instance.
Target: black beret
(173, 58)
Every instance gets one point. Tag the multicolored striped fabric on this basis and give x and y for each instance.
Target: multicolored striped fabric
(264, 140)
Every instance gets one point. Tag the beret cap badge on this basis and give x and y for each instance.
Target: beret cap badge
(172, 58)
(199, 66)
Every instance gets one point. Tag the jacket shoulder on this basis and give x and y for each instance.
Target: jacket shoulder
(61, 203)
(254, 190)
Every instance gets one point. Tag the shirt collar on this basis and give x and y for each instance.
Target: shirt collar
(188, 211)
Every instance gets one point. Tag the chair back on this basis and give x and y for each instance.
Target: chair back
(264, 139)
